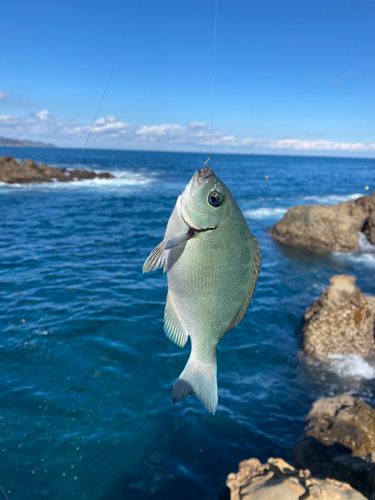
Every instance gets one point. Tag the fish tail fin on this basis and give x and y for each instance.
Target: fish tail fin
(197, 379)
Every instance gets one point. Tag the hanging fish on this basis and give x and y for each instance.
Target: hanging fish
(212, 264)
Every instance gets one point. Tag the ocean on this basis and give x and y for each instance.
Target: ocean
(86, 371)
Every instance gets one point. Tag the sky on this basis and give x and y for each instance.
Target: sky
(290, 77)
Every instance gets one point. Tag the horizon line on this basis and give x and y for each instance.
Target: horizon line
(190, 152)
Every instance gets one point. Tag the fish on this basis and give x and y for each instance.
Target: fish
(212, 262)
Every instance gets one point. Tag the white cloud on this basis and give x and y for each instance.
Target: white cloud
(44, 115)
(3, 95)
(44, 126)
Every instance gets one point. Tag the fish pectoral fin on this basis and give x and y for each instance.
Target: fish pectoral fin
(173, 327)
(177, 240)
(155, 260)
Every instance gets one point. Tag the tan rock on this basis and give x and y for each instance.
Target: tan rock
(338, 441)
(345, 420)
(328, 227)
(318, 227)
(277, 480)
(341, 321)
(14, 172)
(369, 229)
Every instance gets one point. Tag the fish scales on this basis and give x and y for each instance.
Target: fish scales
(209, 292)
(212, 263)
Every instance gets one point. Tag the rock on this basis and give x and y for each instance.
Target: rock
(358, 472)
(344, 420)
(318, 227)
(341, 321)
(277, 480)
(14, 172)
(338, 441)
(369, 228)
(328, 227)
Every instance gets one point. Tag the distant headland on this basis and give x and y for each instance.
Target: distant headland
(27, 172)
(15, 143)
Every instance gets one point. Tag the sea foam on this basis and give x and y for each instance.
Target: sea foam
(365, 244)
(351, 366)
(365, 257)
(122, 178)
(331, 199)
(277, 212)
(265, 213)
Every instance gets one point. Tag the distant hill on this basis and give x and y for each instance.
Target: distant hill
(5, 142)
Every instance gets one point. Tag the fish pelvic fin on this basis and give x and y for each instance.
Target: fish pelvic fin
(155, 260)
(197, 379)
(173, 325)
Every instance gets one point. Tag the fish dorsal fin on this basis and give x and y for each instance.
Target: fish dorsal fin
(173, 327)
(155, 260)
(256, 267)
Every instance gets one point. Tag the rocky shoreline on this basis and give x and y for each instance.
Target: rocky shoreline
(29, 172)
(334, 458)
(278, 480)
(328, 227)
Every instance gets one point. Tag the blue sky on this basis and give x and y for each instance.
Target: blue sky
(290, 77)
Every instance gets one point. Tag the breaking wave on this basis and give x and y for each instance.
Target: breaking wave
(121, 179)
(351, 366)
(366, 259)
(277, 212)
(366, 256)
(365, 244)
(333, 198)
(265, 213)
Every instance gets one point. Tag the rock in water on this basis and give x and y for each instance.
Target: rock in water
(341, 321)
(363, 209)
(344, 420)
(277, 480)
(338, 441)
(318, 226)
(14, 172)
(328, 227)
(212, 263)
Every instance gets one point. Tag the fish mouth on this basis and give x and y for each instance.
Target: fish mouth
(204, 174)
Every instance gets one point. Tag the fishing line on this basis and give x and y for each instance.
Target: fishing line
(213, 81)
(3, 493)
(101, 99)
(365, 5)
(98, 108)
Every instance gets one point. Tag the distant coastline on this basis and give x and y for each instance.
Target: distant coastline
(6, 142)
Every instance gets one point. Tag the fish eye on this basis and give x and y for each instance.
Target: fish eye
(214, 199)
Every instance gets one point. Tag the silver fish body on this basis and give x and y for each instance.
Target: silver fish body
(212, 263)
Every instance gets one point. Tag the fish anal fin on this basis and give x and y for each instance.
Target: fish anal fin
(155, 260)
(173, 326)
(255, 273)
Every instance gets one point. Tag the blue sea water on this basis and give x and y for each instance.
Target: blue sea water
(85, 368)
